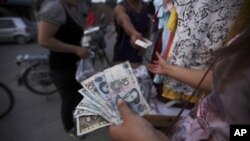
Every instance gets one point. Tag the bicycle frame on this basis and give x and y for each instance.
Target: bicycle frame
(26, 61)
(35, 74)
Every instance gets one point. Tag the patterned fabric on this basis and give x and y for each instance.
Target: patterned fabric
(145, 82)
(202, 27)
(206, 121)
(146, 85)
(211, 118)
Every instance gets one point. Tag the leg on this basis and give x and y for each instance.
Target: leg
(68, 89)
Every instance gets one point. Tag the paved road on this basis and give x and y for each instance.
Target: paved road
(34, 117)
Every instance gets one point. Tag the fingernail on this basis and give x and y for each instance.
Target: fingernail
(120, 101)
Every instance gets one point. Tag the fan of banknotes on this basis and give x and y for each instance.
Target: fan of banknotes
(101, 92)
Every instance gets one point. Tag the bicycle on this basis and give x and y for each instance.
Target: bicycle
(6, 100)
(35, 74)
(93, 38)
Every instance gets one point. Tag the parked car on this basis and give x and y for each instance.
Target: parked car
(17, 29)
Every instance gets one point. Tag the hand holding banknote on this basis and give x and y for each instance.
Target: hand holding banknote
(100, 96)
(135, 127)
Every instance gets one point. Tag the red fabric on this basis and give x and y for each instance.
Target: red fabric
(157, 47)
(166, 52)
(90, 19)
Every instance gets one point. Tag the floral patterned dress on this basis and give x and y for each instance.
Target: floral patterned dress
(203, 26)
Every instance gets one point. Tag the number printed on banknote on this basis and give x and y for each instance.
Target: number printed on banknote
(88, 84)
(88, 106)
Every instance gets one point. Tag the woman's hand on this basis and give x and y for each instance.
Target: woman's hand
(82, 52)
(188, 76)
(134, 37)
(158, 67)
(134, 127)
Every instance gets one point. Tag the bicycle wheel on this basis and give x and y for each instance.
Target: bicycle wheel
(6, 100)
(37, 79)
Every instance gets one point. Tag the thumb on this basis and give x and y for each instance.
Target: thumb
(158, 55)
(124, 109)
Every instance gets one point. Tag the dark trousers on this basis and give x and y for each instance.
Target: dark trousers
(68, 89)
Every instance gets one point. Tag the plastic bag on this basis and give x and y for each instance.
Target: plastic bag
(85, 69)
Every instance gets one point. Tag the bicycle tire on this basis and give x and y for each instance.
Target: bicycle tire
(30, 85)
(10, 98)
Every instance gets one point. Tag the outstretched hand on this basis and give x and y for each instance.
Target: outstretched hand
(158, 66)
(134, 127)
(134, 37)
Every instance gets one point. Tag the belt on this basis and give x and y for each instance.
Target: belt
(172, 95)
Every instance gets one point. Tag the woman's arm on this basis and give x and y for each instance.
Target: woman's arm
(46, 38)
(189, 76)
(124, 21)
